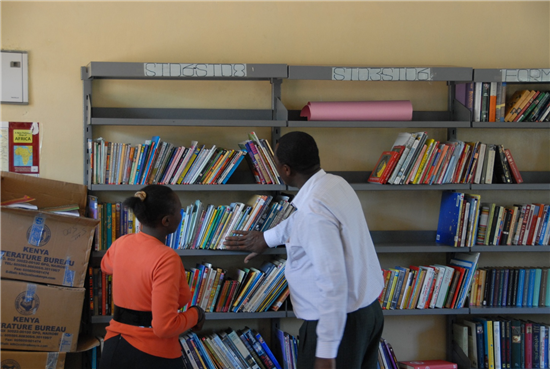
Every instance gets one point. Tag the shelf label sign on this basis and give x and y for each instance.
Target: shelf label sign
(194, 70)
(381, 74)
(526, 75)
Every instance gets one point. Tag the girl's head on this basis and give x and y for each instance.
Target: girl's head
(156, 206)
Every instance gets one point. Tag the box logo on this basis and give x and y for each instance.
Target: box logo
(40, 237)
(10, 364)
(27, 303)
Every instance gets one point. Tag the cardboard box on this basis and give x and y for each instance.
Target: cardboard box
(32, 359)
(39, 317)
(44, 247)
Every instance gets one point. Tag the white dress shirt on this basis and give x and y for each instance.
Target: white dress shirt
(332, 268)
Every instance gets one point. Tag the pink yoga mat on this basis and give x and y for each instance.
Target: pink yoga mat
(358, 110)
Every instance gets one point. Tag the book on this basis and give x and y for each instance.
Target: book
(472, 342)
(501, 172)
(381, 170)
(449, 216)
(427, 364)
(514, 104)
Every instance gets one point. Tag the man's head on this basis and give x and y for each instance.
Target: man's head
(298, 152)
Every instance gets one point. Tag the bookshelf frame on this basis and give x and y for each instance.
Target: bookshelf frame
(456, 117)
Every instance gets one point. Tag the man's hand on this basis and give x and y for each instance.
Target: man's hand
(252, 241)
(325, 363)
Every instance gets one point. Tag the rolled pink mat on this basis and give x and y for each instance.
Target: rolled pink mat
(358, 110)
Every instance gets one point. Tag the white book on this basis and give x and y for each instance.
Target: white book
(403, 139)
(472, 343)
(496, 344)
(490, 163)
(444, 286)
(438, 282)
(477, 101)
(426, 285)
(480, 161)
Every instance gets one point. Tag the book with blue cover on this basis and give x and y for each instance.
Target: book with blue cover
(449, 216)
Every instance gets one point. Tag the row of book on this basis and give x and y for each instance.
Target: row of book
(386, 355)
(206, 226)
(429, 286)
(289, 349)
(503, 342)
(250, 290)
(416, 159)
(203, 226)
(229, 349)
(488, 102)
(465, 221)
(160, 162)
(511, 286)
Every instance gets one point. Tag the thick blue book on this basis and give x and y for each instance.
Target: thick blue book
(449, 216)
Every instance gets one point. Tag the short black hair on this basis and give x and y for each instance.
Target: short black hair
(150, 208)
(299, 151)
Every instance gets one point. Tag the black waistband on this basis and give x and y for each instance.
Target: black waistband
(133, 317)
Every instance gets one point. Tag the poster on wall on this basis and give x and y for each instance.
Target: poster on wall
(24, 147)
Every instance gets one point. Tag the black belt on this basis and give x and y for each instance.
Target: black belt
(133, 317)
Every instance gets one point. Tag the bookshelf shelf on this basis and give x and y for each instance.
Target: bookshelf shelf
(508, 310)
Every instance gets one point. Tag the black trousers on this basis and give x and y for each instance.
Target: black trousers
(119, 354)
(359, 346)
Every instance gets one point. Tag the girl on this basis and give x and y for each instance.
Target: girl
(149, 286)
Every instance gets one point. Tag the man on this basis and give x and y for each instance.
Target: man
(332, 268)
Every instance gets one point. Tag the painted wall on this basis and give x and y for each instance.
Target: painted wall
(61, 37)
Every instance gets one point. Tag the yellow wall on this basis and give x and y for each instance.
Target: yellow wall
(60, 37)
(63, 36)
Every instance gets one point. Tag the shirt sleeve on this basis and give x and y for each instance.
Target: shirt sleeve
(323, 245)
(107, 261)
(278, 235)
(166, 297)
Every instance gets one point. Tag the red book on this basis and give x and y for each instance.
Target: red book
(383, 167)
(427, 364)
(535, 223)
(455, 287)
(513, 167)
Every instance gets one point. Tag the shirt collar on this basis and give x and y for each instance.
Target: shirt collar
(302, 194)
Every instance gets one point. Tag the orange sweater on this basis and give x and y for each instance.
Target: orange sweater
(149, 276)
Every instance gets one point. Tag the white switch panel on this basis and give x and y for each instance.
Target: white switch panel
(14, 79)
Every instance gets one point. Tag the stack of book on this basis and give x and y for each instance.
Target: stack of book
(511, 286)
(488, 103)
(289, 349)
(465, 221)
(250, 290)
(205, 227)
(429, 286)
(504, 342)
(416, 159)
(260, 159)
(228, 349)
(386, 355)
(160, 162)
(202, 226)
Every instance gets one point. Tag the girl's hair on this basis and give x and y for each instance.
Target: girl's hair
(151, 204)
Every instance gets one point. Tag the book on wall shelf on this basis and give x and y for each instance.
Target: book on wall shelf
(159, 162)
(490, 224)
(522, 106)
(416, 159)
(203, 226)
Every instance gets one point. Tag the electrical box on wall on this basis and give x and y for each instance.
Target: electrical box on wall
(14, 77)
